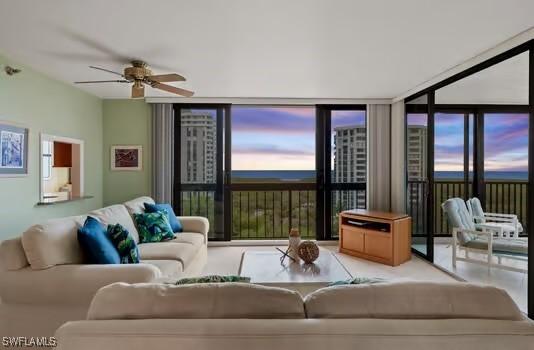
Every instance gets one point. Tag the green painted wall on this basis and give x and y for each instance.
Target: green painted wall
(126, 122)
(47, 106)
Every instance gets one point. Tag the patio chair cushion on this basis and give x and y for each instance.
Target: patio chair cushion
(475, 208)
(501, 245)
(459, 217)
(506, 227)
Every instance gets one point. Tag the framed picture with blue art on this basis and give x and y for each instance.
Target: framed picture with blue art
(13, 150)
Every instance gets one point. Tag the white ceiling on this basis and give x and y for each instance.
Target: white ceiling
(254, 48)
(503, 83)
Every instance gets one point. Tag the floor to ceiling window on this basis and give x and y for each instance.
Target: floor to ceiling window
(198, 185)
(348, 162)
(476, 131)
(258, 171)
(273, 171)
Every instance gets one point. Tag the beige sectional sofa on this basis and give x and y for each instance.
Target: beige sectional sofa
(44, 283)
(385, 316)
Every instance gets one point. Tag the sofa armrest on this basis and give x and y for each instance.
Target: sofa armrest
(12, 256)
(196, 224)
(69, 284)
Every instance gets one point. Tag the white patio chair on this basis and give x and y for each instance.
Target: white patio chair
(511, 227)
(468, 238)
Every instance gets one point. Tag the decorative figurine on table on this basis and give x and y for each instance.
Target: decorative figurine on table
(294, 242)
(292, 249)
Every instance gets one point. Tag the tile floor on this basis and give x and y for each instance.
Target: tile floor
(515, 283)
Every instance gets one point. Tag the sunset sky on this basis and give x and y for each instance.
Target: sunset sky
(505, 146)
(279, 138)
(283, 138)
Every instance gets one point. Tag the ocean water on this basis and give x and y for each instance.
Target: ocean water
(299, 175)
(491, 175)
(279, 175)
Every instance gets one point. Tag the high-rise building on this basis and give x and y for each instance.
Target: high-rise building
(417, 166)
(197, 139)
(350, 163)
(416, 152)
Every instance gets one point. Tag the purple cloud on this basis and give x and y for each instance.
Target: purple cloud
(286, 120)
(271, 150)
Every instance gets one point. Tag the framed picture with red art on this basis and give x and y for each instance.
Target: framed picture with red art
(127, 157)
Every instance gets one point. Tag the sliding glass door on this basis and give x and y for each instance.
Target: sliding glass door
(453, 162)
(198, 164)
(505, 164)
(272, 182)
(420, 172)
(258, 171)
(342, 175)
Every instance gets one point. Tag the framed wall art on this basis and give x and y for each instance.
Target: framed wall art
(13, 150)
(124, 157)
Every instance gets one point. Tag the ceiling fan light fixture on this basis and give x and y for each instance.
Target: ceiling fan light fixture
(139, 74)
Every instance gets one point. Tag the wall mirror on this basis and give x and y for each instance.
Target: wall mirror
(61, 167)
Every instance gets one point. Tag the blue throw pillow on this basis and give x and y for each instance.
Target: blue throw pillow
(124, 243)
(95, 243)
(176, 225)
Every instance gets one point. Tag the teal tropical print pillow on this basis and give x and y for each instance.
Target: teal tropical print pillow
(213, 279)
(153, 227)
(124, 243)
(358, 280)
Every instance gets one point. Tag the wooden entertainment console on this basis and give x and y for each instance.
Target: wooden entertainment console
(377, 236)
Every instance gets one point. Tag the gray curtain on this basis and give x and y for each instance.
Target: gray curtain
(398, 170)
(162, 152)
(379, 148)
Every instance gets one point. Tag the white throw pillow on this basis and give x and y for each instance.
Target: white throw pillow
(137, 205)
(116, 214)
(54, 242)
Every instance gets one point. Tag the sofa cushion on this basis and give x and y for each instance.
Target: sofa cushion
(12, 254)
(212, 300)
(412, 300)
(53, 242)
(153, 227)
(96, 244)
(169, 268)
(196, 239)
(176, 225)
(137, 205)
(116, 214)
(182, 252)
(124, 244)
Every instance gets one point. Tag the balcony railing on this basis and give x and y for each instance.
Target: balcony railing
(269, 211)
(502, 196)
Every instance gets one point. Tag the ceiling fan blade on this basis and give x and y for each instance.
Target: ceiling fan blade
(107, 70)
(161, 78)
(138, 91)
(101, 81)
(173, 89)
(96, 45)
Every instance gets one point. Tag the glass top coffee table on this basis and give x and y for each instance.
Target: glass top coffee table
(265, 268)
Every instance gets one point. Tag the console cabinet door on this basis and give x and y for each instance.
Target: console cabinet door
(378, 245)
(353, 239)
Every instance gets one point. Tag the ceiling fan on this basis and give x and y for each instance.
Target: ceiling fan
(139, 74)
